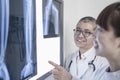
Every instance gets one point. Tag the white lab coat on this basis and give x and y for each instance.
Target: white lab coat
(79, 68)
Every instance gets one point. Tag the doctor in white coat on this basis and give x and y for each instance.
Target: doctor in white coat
(84, 62)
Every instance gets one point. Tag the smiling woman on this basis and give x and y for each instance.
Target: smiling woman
(108, 40)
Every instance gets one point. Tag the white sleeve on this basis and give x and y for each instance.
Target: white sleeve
(74, 78)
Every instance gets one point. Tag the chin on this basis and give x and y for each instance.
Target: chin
(82, 46)
(99, 53)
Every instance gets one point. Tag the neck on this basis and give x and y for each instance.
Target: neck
(114, 65)
(83, 50)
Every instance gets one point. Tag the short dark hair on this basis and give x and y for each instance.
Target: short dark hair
(88, 19)
(110, 16)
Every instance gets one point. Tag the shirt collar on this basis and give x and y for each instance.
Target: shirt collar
(88, 55)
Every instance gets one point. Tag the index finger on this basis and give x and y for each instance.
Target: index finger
(55, 65)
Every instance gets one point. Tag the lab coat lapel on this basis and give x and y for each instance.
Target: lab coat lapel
(73, 67)
(83, 69)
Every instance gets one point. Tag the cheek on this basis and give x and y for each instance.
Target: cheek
(104, 46)
(100, 41)
(90, 42)
(75, 38)
(100, 44)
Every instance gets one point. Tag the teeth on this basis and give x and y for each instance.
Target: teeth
(79, 40)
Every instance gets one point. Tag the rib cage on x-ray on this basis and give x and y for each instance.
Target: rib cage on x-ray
(50, 10)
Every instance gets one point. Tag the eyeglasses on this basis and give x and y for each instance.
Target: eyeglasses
(84, 33)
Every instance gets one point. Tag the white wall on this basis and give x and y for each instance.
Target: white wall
(73, 11)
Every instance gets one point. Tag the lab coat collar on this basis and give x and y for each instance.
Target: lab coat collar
(88, 55)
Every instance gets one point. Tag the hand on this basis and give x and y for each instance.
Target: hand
(59, 72)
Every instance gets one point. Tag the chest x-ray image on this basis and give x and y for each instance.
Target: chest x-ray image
(50, 19)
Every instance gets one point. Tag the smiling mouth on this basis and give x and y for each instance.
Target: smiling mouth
(81, 41)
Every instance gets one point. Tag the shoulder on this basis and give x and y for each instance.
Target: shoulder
(101, 64)
(113, 75)
(101, 61)
(70, 58)
(73, 55)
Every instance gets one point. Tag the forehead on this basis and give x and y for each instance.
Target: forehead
(110, 29)
(86, 25)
